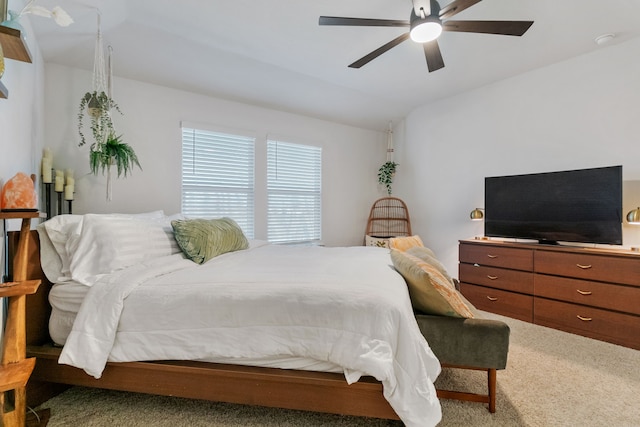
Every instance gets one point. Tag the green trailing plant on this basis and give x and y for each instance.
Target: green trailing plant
(113, 152)
(386, 173)
(98, 106)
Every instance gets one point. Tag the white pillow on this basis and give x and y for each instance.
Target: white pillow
(110, 243)
(63, 232)
(379, 242)
(50, 261)
(74, 232)
(58, 229)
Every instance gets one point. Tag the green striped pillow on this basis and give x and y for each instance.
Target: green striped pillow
(203, 239)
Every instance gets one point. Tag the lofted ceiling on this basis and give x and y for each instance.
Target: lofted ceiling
(273, 53)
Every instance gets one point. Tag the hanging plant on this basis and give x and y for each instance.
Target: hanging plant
(113, 152)
(386, 173)
(98, 105)
(107, 150)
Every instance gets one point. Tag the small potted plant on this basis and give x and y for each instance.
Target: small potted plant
(113, 152)
(98, 105)
(386, 173)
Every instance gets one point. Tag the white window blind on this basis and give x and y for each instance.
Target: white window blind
(294, 192)
(218, 176)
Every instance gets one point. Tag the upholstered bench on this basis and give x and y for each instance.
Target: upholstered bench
(477, 343)
(456, 331)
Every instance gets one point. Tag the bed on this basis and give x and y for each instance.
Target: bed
(300, 327)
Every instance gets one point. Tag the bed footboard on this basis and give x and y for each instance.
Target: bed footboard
(279, 388)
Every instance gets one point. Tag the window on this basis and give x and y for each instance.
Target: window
(294, 192)
(218, 176)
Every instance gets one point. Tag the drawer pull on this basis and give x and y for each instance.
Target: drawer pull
(492, 256)
(584, 319)
(584, 267)
(476, 265)
(492, 298)
(492, 277)
(584, 292)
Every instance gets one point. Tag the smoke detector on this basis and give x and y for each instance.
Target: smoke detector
(604, 39)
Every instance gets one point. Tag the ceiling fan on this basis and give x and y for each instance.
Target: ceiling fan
(427, 21)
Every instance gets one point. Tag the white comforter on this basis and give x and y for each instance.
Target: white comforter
(346, 306)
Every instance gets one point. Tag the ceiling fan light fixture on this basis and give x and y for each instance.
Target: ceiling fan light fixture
(425, 28)
(426, 31)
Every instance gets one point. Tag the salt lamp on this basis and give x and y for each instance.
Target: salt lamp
(19, 193)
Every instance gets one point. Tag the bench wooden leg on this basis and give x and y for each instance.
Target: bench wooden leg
(489, 398)
(491, 379)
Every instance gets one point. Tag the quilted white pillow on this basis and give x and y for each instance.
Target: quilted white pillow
(110, 243)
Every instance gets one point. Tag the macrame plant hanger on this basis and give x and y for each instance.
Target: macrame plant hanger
(99, 69)
(109, 94)
(390, 147)
(102, 84)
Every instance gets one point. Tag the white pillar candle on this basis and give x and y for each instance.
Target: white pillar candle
(59, 187)
(68, 174)
(46, 170)
(70, 181)
(46, 153)
(68, 192)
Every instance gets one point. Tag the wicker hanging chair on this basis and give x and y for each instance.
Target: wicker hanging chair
(389, 217)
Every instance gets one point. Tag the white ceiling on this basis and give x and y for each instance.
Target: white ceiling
(273, 53)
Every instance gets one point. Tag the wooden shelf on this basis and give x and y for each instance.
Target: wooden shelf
(14, 45)
(24, 287)
(4, 92)
(17, 214)
(15, 369)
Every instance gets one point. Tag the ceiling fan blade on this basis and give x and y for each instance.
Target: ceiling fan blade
(507, 28)
(433, 55)
(362, 22)
(456, 7)
(379, 51)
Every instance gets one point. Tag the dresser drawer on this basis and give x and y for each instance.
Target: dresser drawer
(513, 258)
(592, 267)
(494, 277)
(508, 304)
(596, 294)
(623, 329)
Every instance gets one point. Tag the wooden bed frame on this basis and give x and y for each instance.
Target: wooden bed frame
(291, 389)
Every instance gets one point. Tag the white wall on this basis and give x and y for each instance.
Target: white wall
(151, 124)
(21, 120)
(21, 127)
(580, 113)
(21, 114)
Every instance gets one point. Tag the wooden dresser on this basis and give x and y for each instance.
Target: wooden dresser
(586, 291)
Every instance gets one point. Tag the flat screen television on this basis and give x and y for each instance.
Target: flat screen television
(582, 205)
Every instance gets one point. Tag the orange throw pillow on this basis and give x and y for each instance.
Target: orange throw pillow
(403, 243)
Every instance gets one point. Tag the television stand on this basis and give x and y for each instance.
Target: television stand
(586, 291)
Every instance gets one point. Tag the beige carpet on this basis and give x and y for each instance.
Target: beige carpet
(552, 379)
